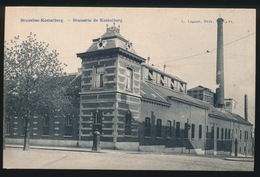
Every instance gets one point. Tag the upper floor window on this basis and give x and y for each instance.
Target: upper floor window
(129, 79)
(99, 77)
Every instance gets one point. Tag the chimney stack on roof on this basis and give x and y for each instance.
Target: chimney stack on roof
(246, 108)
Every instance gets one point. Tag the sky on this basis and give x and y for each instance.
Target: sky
(176, 37)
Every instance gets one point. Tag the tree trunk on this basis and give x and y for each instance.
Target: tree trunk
(26, 144)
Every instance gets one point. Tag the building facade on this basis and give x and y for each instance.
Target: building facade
(137, 107)
(202, 93)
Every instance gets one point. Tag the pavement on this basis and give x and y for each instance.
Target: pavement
(46, 157)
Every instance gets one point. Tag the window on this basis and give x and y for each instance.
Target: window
(147, 127)
(177, 130)
(192, 130)
(222, 133)
(129, 79)
(240, 134)
(98, 77)
(225, 133)
(186, 130)
(46, 126)
(46, 121)
(212, 132)
(228, 133)
(217, 133)
(245, 135)
(159, 128)
(200, 131)
(169, 129)
(97, 122)
(68, 121)
(7, 128)
(128, 123)
(68, 126)
(207, 131)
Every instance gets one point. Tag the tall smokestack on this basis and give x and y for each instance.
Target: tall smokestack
(220, 66)
(246, 108)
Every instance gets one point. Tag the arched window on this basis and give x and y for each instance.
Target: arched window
(177, 130)
(169, 129)
(200, 131)
(159, 128)
(128, 123)
(147, 127)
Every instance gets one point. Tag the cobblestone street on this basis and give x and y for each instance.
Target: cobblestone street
(16, 158)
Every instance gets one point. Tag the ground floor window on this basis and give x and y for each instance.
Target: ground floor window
(159, 128)
(128, 123)
(7, 126)
(185, 130)
(169, 129)
(68, 126)
(217, 133)
(200, 131)
(147, 128)
(177, 134)
(46, 125)
(192, 130)
(97, 122)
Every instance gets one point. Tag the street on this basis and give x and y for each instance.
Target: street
(16, 158)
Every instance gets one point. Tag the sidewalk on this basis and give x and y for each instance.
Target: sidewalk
(57, 148)
(242, 159)
(75, 149)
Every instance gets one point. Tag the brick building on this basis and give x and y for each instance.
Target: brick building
(136, 107)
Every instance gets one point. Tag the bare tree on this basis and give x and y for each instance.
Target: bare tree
(34, 81)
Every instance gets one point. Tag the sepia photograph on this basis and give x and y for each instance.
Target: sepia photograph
(120, 88)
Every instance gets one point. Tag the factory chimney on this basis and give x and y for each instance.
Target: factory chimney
(246, 108)
(219, 102)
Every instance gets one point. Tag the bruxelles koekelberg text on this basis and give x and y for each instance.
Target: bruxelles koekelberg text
(42, 20)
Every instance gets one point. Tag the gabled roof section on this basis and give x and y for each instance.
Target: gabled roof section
(223, 114)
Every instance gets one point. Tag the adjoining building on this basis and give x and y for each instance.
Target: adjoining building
(138, 107)
(202, 93)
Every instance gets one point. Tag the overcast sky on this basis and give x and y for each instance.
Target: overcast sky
(179, 38)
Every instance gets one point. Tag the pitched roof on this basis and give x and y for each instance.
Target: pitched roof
(163, 94)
